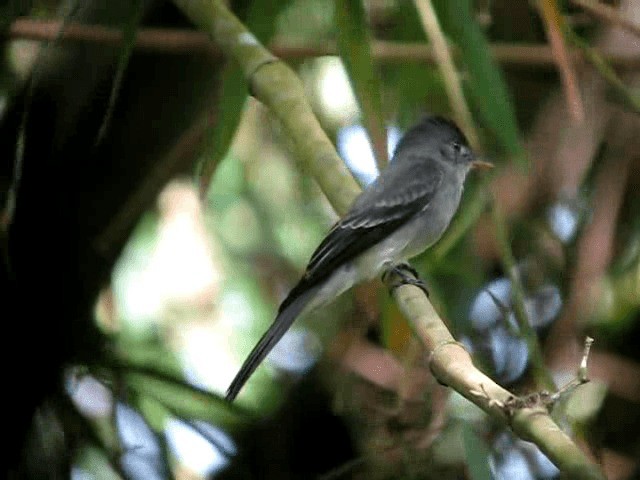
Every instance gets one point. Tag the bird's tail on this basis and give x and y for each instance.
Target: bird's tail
(280, 325)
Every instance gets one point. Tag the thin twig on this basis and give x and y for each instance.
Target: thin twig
(171, 40)
(582, 375)
(517, 292)
(595, 246)
(447, 68)
(554, 26)
(344, 469)
(605, 70)
(608, 14)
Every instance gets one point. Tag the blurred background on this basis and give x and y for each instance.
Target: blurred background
(154, 216)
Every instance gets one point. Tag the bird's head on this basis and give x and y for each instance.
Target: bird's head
(439, 137)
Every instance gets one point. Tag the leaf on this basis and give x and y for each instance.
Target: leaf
(354, 45)
(488, 88)
(184, 400)
(425, 88)
(477, 455)
(233, 88)
(261, 20)
(129, 30)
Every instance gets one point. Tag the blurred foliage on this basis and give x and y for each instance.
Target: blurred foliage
(354, 45)
(477, 453)
(408, 98)
(485, 81)
(171, 355)
(261, 19)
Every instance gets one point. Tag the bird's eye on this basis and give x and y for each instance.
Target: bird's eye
(458, 152)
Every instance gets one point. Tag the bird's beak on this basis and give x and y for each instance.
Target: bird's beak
(481, 165)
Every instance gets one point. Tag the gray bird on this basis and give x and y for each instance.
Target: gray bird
(403, 212)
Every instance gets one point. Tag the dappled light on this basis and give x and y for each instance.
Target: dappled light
(170, 168)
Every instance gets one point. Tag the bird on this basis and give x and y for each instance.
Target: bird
(398, 216)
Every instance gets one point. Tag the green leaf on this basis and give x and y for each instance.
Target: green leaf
(477, 455)
(486, 84)
(184, 400)
(233, 88)
(129, 30)
(261, 20)
(425, 90)
(354, 44)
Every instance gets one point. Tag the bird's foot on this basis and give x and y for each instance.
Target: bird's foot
(404, 274)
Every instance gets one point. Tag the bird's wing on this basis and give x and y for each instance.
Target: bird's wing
(380, 210)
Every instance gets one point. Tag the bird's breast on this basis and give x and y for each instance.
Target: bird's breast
(419, 233)
(433, 220)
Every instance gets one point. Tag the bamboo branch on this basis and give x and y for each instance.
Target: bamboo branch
(452, 365)
(277, 86)
(273, 83)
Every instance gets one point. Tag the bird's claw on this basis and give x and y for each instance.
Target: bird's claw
(405, 275)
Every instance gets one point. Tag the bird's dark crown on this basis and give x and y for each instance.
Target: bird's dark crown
(432, 132)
